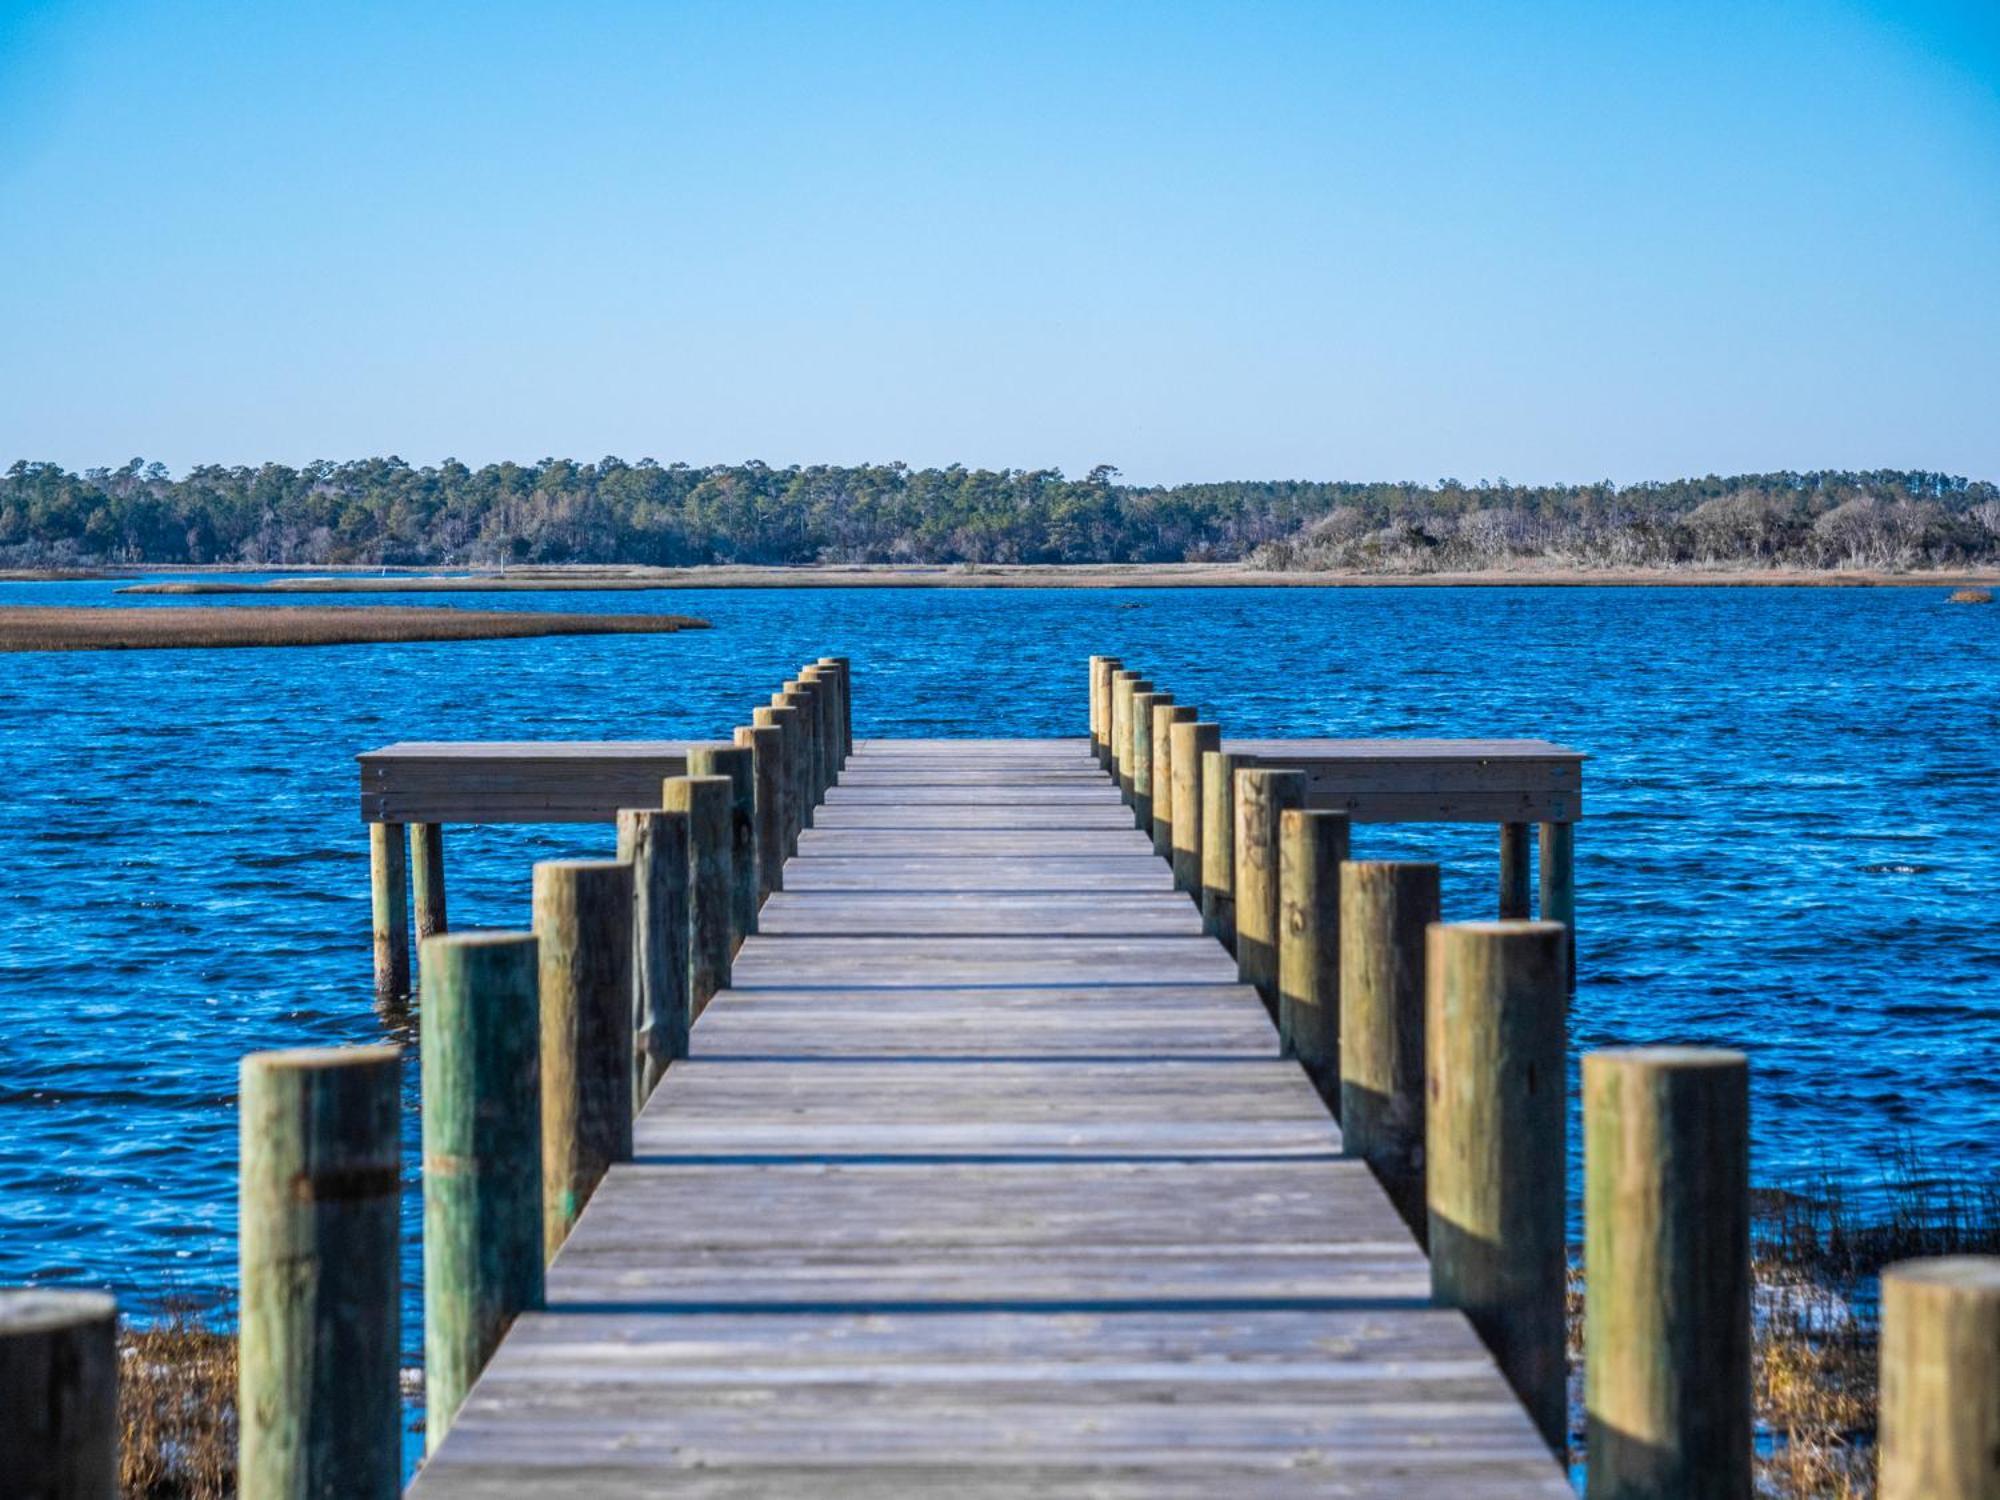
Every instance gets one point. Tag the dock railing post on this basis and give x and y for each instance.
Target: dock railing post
(1261, 795)
(1940, 1392)
(1165, 717)
(707, 802)
(1312, 846)
(1140, 687)
(1218, 847)
(800, 697)
(427, 879)
(843, 718)
(1101, 668)
(655, 843)
(1495, 1167)
(389, 895)
(319, 1403)
(583, 924)
(1143, 705)
(1124, 682)
(740, 769)
(1666, 1151)
(482, 1125)
(786, 722)
(1191, 741)
(59, 1394)
(825, 722)
(767, 749)
(1386, 907)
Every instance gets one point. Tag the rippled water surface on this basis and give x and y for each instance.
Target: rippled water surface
(1791, 842)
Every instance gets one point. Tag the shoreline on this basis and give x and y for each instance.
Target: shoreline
(616, 578)
(86, 628)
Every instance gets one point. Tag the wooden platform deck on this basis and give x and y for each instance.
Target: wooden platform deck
(985, 1179)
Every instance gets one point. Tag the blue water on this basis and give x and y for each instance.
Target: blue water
(1791, 842)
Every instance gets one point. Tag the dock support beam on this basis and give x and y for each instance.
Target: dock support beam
(389, 893)
(319, 1404)
(1493, 1037)
(482, 1123)
(1666, 1147)
(1312, 846)
(59, 1394)
(1559, 889)
(1516, 873)
(1386, 907)
(427, 879)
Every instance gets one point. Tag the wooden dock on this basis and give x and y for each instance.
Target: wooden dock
(985, 1178)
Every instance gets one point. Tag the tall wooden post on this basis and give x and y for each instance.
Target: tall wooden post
(427, 878)
(1140, 687)
(826, 723)
(843, 718)
(1312, 846)
(706, 801)
(1142, 757)
(1218, 847)
(1261, 796)
(1385, 909)
(767, 749)
(1124, 682)
(1191, 743)
(1101, 668)
(1515, 873)
(1559, 888)
(655, 843)
(1666, 1153)
(482, 1123)
(799, 697)
(319, 1404)
(1493, 1037)
(740, 768)
(1165, 717)
(583, 921)
(59, 1394)
(1940, 1402)
(786, 722)
(389, 892)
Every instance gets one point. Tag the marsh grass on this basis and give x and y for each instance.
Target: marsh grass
(1971, 596)
(56, 628)
(1817, 1255)
(177, 1404)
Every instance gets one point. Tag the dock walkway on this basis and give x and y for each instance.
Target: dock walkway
(985, 1179)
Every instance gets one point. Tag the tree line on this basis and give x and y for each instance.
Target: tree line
(385, 511)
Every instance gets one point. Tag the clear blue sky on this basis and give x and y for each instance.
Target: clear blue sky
(1400, 240)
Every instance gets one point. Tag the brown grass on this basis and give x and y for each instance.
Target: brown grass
(1816, 1259)
(1971, 596)
(177, 1408)
(83, 629)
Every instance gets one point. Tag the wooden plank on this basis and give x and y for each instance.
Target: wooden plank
(985, 1179)
(584, 781)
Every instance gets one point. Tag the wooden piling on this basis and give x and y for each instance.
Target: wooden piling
(766, 744)
(843, 718)
(655, 843)
(800, 698)
(319, 1402)
(1142, 756)
(1559, 889)
(737, 764)
(427, 878)
(388, 886)
(826, 723)
(707, 802)
(1515, 873)
(1218, 846)
(1493, 1040)
(1386, 907)
(1101, 668)
(1123, 683)
(1260, 797)
(1666, 1150)
(1940, 1392)
(482, 1125)
(1165, 717)
(1190, 743)
(1140, 687)
(1312, 846)
(59, 1394)
(791, 784)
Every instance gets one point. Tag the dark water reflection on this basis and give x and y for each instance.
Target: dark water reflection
(1792, 842)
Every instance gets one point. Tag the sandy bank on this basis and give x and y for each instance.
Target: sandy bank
(63, 629)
